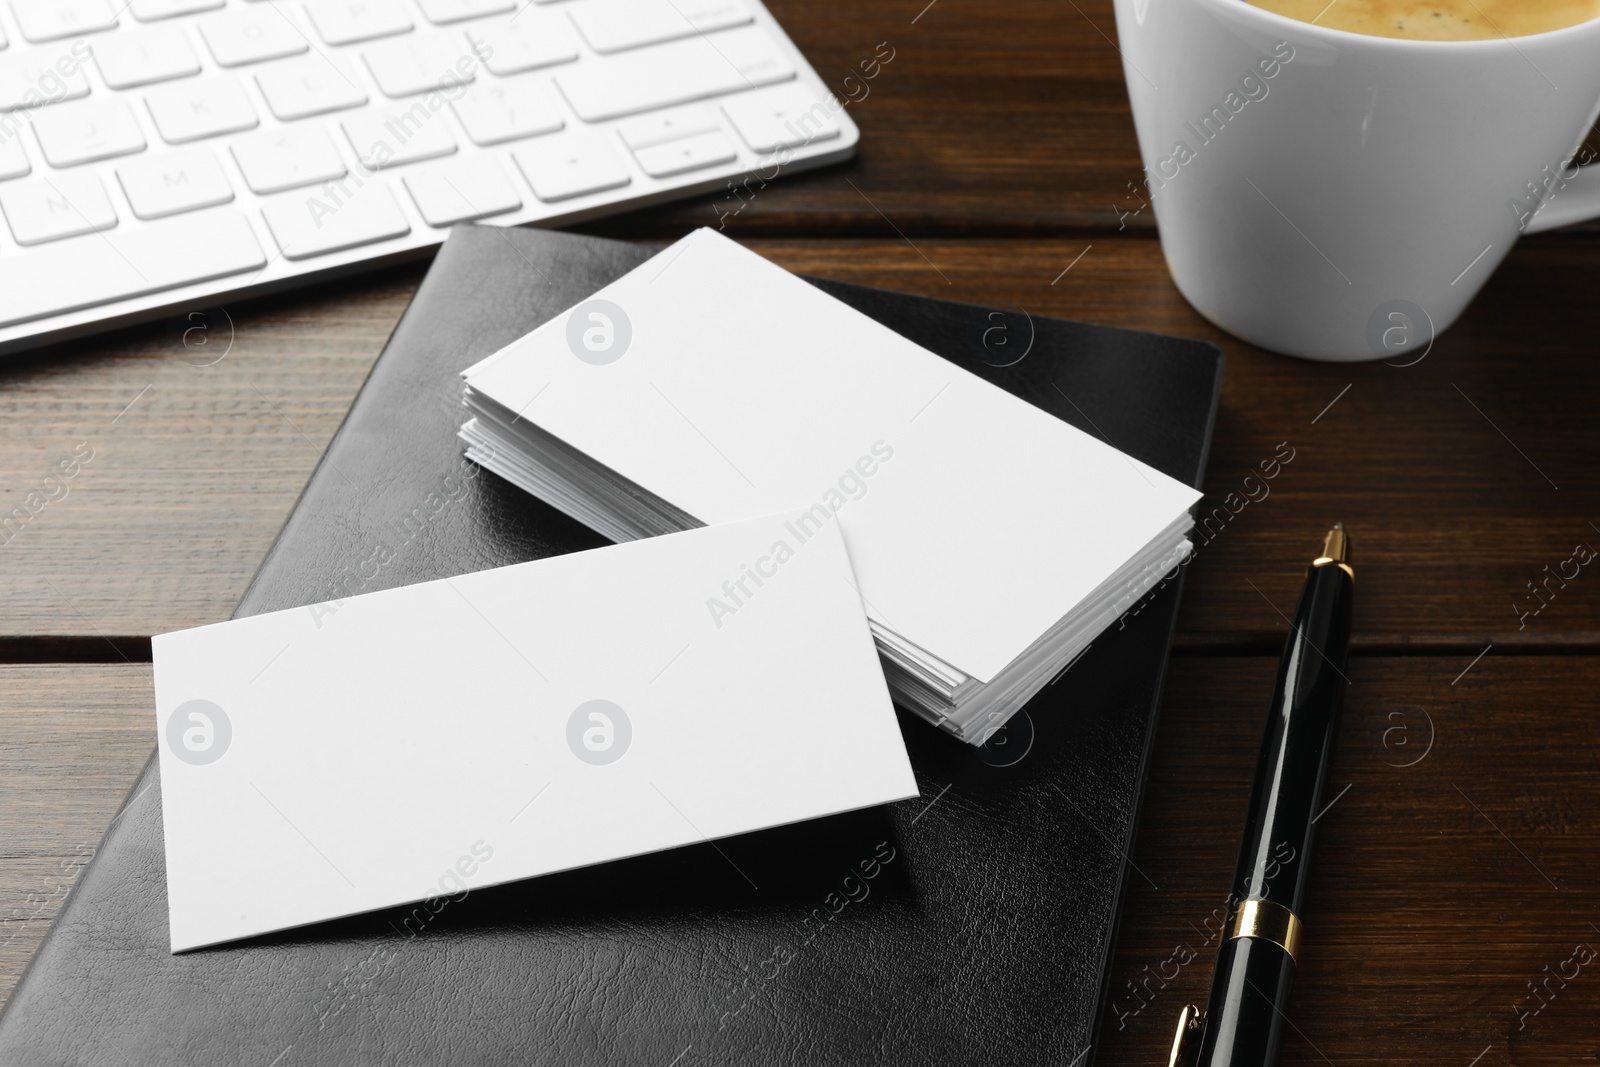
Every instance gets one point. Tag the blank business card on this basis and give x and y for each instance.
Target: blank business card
(420, 742)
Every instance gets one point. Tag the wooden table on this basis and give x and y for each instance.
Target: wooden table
(1457, 864)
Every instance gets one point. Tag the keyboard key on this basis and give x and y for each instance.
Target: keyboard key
(347, 217)
(388, 138)
(35, 79)
(527, 42)
(48, 209)
(145, 56)
(674, 73)
(572, 165)
(51, 20)
(673, 124)
(349, 21)
(461, 189)
(251, 36)
(117, 265)
(13, 160)
(311, 85)
(158, 186)
(680, 157)
(405, 68)
(616, 25)
(155, 10)
(497, 111)
(275, 160)
(87, 130)
(785, 117)
(440, 12)
(203, 108)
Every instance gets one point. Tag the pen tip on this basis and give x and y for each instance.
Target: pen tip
(1336, 546)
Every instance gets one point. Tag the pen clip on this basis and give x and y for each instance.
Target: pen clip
(1186, 1040)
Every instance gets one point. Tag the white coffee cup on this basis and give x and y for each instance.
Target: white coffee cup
(1339, 196)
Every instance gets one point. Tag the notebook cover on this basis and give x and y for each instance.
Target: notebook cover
(972, 924)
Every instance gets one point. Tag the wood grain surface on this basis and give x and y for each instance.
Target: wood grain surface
(72, 741)
(1460, 477)
(199, 432)
(1457, 867)
(995, 167)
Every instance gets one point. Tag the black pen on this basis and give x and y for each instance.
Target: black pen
(1242, 1025)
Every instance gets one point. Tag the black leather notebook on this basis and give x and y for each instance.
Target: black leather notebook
(974, 924)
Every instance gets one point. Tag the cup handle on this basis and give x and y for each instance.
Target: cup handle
(1575, 199)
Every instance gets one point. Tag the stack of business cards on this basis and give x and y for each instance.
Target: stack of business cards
(991, 542)
(421, 742)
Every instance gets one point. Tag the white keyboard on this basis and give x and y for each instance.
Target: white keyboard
(157, 155)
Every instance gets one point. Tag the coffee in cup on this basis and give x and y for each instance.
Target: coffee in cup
(1439, 20)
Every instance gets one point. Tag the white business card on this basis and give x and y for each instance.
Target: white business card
(417, 743)
(726, 386)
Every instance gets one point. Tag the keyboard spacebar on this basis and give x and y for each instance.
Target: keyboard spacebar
(98, 268)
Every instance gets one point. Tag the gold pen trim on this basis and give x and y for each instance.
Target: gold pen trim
(1268, 920)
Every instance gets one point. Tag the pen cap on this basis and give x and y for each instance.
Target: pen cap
(1298, 742)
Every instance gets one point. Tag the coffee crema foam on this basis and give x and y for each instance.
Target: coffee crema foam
(1438, 20)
